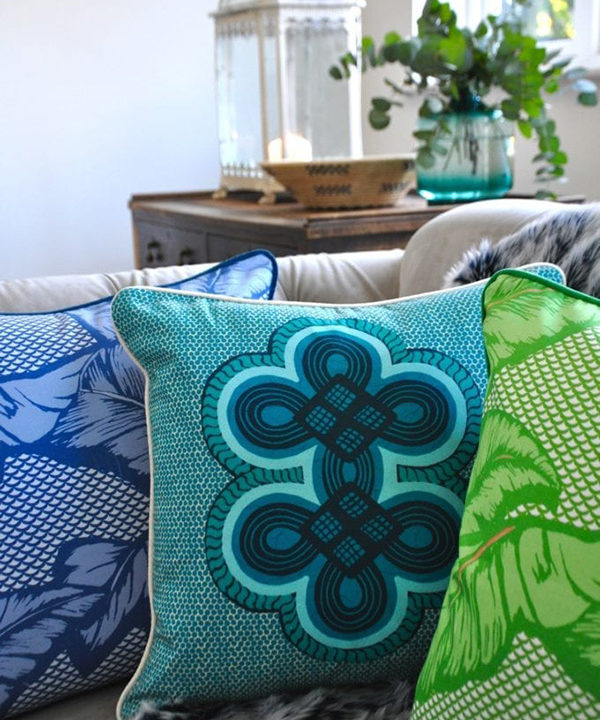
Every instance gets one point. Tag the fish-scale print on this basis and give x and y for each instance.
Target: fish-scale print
(61, 679)
(28, 343)
(44, 503)
(530, 683)
(558, 383)
(555, 393)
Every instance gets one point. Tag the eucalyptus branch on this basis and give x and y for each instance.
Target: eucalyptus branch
(461, 64)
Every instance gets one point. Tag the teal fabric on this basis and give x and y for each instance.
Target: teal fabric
(309, 471)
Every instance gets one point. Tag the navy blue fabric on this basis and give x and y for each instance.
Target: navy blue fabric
(74, 486)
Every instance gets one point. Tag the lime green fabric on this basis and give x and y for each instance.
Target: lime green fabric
(519, 631)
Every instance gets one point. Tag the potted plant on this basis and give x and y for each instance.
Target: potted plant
(476, 85)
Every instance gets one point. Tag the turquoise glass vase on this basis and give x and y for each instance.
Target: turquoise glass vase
(478, 162)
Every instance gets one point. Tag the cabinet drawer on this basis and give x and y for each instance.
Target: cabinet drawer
(161, 245)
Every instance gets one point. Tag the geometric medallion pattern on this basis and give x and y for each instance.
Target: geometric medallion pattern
(339, 439)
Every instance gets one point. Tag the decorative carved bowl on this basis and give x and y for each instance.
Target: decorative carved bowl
(347, 182)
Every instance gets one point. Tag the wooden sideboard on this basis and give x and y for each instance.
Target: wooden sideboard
(184, 228)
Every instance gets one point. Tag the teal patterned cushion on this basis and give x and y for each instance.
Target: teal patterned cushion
(309, 471)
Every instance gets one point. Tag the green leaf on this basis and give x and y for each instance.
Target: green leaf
(347, 60)
(391, 38)
(446, 14)
(545, 195)
(588, 99)
(481, 30)
(389, 53)
(425, 158)
(335, 72)
(525, 128)
(453, 49)
(510, 584)
(533, 107)
(367, 43)
(511, 469)
(550, 55)
(551, 86)
(378, 119)
(510, 109)
(406, 52)
(560, 64)
(380, 103)
(522, 315)
(439, 148)
(424, 134)
(560, 158)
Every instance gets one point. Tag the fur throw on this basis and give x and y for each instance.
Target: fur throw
(383, 702)
(568, 238)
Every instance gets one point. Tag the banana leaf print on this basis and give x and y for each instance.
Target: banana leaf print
(236, 280)
(510, 304)
(74, 483)
(108, 418)
(512, 561)
(32, 627)
(31, 406)
(118, 571)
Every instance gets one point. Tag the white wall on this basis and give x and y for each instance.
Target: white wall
(577, 127)
(99, 99)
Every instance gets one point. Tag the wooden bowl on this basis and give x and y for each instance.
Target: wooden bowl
(347, 182)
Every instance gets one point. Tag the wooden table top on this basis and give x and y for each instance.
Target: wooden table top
(409, 214)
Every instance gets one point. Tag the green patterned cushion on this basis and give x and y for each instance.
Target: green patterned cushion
(519, 632)
(309, 470)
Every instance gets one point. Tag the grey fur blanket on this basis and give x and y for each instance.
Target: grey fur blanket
(569, 239)
(391, 701)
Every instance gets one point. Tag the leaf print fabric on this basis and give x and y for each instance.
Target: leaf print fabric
(74, 484)
(519, 631)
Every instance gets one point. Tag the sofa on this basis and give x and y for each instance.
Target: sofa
(357, 277)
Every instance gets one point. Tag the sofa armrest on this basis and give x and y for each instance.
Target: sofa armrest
(441, 242)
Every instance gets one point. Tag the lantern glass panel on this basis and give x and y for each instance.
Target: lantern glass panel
(238, 92)
(276, 99)
(317, 107)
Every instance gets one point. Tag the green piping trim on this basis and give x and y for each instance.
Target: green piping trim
(543, 281)
(524, 275)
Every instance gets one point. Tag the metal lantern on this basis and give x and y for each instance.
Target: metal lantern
(275, 97)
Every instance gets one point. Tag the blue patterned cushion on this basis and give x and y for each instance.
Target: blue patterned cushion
(74, 485)
(310, 465)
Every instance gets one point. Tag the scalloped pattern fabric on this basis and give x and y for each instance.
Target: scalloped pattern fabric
(519, 633)
(310, 465)
(347, 559)
(74, 486)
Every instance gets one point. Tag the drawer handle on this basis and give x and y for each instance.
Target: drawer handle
(186, 256)
(154, 252)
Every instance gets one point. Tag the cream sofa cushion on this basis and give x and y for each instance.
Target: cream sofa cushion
(44, 294)
(354, 277)
(343, 277)
(441, 243)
